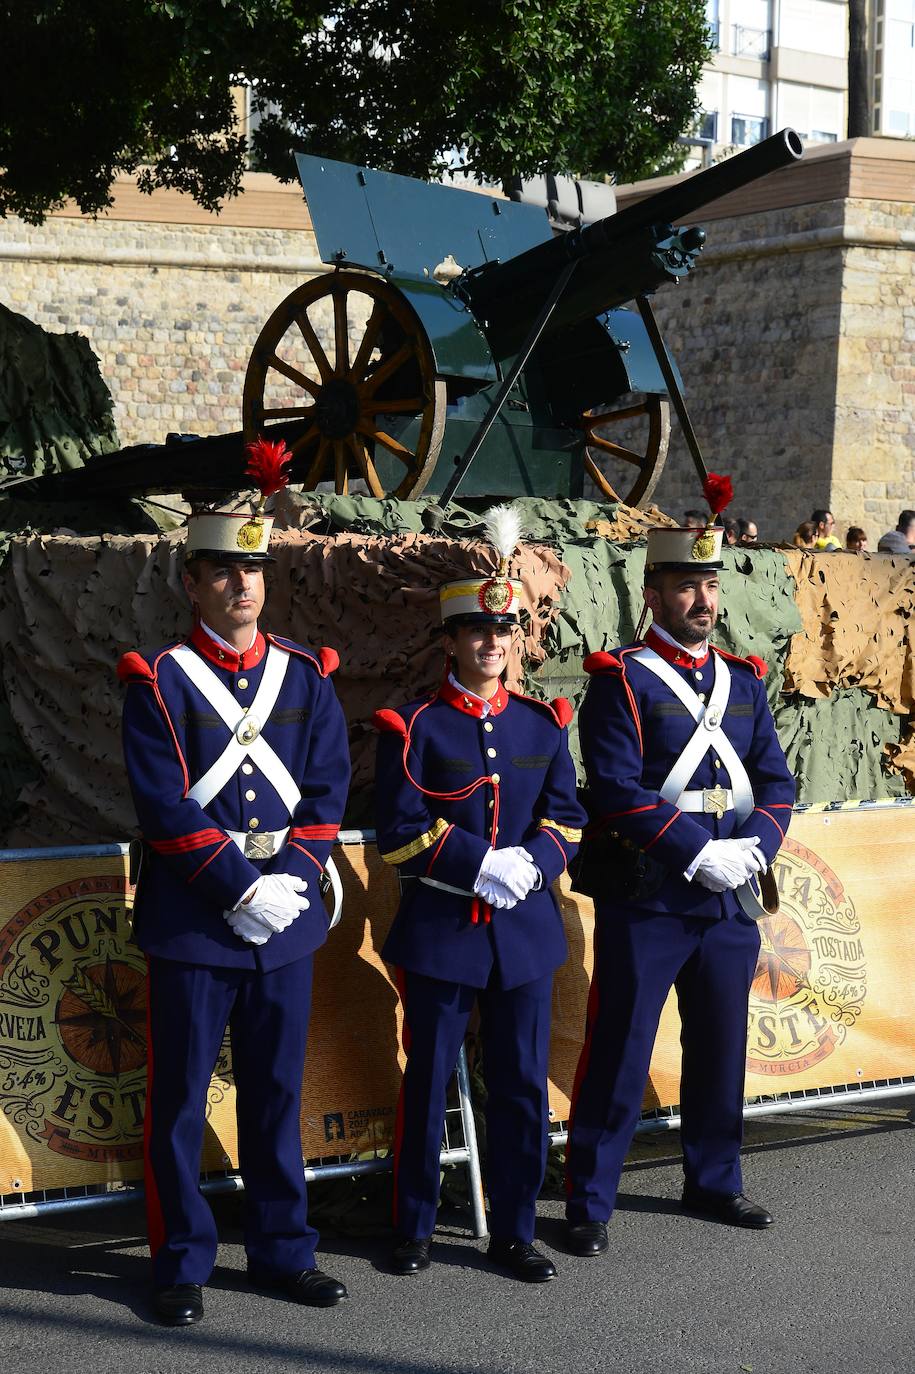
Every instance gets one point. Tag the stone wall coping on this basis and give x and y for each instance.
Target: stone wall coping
(265, 202)
(861, 168)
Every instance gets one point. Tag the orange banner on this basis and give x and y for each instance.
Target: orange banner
(833, 1002)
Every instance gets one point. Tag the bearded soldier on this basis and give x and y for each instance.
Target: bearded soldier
(690, 798)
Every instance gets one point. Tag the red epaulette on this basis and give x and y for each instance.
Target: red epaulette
(562, 710)
(132, 667)
(326, 660)
(390, 721)
(601, 662)
(757, 665)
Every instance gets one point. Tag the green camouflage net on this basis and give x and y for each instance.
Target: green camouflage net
(55, 410)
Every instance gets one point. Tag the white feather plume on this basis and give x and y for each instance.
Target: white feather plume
(504, 527)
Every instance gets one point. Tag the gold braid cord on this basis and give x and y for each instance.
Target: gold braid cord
(425, 841)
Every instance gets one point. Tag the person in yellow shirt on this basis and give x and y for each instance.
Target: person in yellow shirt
(825, 538)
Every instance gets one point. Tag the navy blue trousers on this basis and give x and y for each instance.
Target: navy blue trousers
(267, 1014)
(515, 1034)
(639, 955)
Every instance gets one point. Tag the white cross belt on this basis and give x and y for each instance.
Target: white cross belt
(708, 736)
(246, 741)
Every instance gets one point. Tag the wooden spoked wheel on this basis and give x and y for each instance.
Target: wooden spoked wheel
(346, 355)
(609, 463)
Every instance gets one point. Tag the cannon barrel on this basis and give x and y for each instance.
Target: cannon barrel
(622, 256)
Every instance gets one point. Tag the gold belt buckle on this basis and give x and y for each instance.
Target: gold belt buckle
(714, 801)
(259, 846)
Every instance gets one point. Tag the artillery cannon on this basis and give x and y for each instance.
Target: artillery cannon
(449, 319)
(454, 309)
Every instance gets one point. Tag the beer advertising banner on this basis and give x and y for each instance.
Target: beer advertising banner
(833, 1002)
(833, 999)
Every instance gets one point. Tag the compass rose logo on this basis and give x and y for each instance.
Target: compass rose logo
(811, 975)
(101, 1017)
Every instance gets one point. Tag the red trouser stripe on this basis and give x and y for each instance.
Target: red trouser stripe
(155, 1222)
(400, 980)
(583, 1061)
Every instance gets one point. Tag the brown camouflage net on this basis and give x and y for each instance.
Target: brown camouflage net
(857, 633)
(856, 611)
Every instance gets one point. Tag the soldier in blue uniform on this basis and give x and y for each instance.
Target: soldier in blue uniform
(690, 798)
(236, 751)
(476, 806)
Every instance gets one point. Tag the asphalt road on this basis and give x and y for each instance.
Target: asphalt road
(828, 1290)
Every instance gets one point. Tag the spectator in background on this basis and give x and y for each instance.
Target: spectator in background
(825, 540)
(900, 539)
(747, 531)
(694, 520)
(731, 531)
(805, 535)
(856, 540)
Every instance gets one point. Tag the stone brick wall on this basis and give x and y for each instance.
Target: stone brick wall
(874, 451)
(172, 311)
(795, 340)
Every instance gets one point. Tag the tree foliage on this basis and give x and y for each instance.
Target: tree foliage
(92, 88)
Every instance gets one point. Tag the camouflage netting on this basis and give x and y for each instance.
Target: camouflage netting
(55, 410)
(363, 578)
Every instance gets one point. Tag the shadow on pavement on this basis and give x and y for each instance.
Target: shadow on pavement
(246, 1352)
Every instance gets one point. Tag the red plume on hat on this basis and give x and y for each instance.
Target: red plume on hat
(266, 464)
(718, 490)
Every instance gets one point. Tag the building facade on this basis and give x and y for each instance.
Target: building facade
(785, 62)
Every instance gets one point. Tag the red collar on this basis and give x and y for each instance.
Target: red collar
(678, 657)
(471, 705)
(227, 658)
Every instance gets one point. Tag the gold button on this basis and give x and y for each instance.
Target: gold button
(717, 763)
(495, 777)
(221, 654)
(249, 795)
(242, 682)
(491, 753)
(698, 676)
(247, 768)
(253, 823)
(491, 804)
(487, 725)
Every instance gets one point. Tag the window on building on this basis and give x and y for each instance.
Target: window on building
(750, 42)
(708, 125)
(747, 129)
(712, 23)
(815, 111)
(816, 26)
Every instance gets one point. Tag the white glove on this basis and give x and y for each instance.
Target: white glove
(247, 928)
(276, 900)
(728, 864)
(513, 868)
(495, 894)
